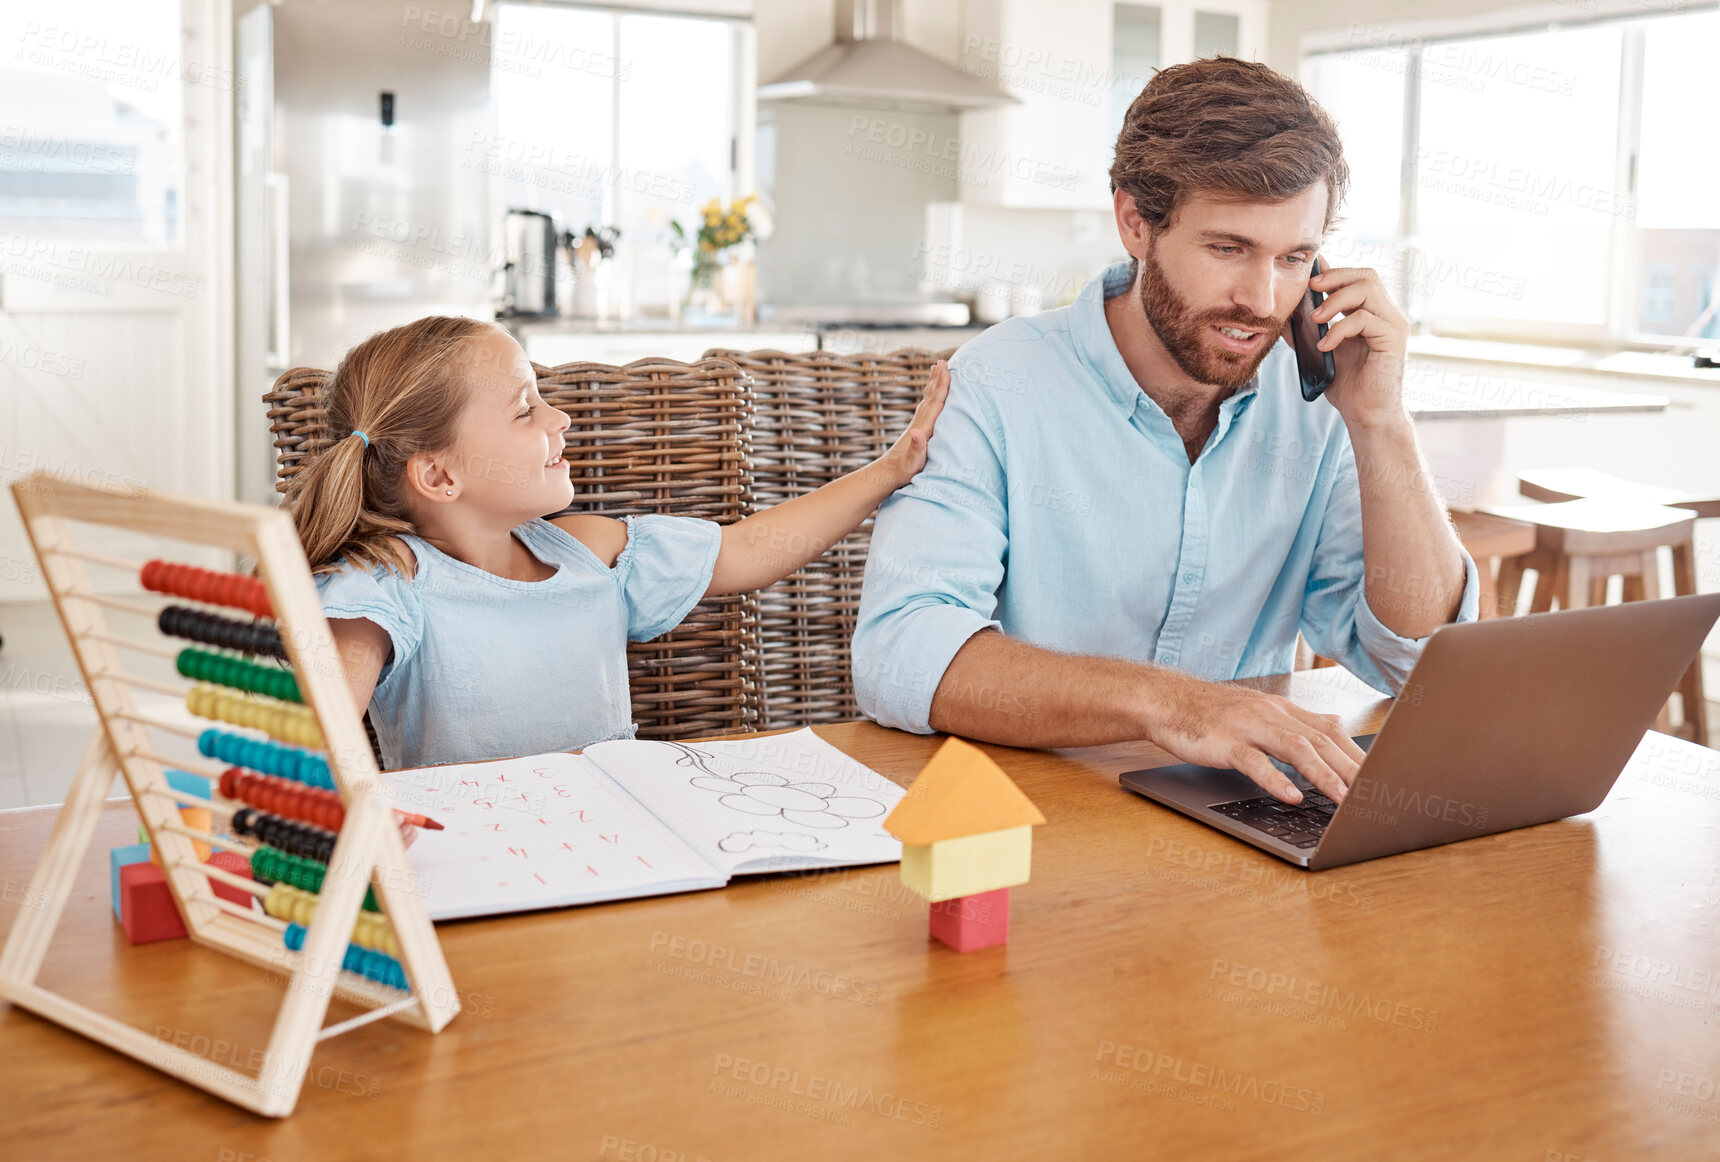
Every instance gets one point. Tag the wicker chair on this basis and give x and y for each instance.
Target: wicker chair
(817, 416)
(655, 436)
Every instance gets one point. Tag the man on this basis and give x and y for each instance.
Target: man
(1127, 500)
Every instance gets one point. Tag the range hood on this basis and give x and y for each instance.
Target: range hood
(869, 67)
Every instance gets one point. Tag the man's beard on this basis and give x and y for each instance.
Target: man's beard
(1184, 335)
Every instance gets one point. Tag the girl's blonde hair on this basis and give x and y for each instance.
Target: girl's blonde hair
(402, 389)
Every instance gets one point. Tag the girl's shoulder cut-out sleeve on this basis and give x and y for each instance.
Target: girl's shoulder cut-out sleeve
(379, 595)
(664, 570)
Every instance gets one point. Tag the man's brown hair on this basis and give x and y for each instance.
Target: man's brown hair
(1227, 127)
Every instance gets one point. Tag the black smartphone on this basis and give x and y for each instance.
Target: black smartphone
(1315, 367)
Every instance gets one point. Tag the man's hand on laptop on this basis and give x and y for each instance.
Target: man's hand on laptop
(1218, 725)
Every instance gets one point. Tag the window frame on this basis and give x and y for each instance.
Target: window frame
(1624, 267)
(740, 177)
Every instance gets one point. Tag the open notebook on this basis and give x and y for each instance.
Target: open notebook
(639, 818)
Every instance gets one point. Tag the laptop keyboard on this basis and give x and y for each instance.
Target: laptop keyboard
(1300, 825)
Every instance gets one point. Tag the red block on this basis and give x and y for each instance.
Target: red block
(146, 910)
(231, 861)
(970, 923)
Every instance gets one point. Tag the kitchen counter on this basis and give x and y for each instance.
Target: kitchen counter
(553, 340)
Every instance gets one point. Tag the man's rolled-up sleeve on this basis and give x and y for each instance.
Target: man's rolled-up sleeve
(934, 567)
(1338, 610)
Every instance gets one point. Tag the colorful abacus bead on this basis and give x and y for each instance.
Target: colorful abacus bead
(378, 966)
(200, 665)
(289, 762)
(269, 866)
(285, 902)
(295, 724)
(207, 586)
(287, 834)
(284, 797)
(245, 637)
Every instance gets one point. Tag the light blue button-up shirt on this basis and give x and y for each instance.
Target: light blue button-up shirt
(1058, 504)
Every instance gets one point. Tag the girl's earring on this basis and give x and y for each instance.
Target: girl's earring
(450, 491)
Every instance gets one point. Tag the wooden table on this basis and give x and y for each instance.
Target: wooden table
(1166, 993)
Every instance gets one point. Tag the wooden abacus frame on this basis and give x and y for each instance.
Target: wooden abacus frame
(369, 841)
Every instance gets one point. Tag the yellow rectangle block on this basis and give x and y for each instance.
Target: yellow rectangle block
(973, 863)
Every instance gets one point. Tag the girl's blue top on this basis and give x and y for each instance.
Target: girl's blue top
(486, 667)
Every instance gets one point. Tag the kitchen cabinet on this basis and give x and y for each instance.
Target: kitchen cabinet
(1074, 69)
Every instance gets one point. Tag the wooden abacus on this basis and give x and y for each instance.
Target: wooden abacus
(304, 934)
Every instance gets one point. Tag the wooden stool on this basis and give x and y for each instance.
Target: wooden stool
(1560, 484)
(1491, 541)
(1580, 544)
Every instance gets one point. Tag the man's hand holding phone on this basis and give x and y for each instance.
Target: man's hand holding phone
(1369, 344)
(1314, 365)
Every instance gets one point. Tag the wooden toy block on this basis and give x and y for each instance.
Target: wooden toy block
(959, 792)
(970, 923)
(146, 909)
(197, 819)
(968, 864)
(119, 857)
(189, 783)
(967, 838)
(231, 861)
(299, 696)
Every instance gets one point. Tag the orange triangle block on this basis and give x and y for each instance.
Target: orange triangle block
(959, 792)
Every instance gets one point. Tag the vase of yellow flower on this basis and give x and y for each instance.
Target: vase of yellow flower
(725, 275)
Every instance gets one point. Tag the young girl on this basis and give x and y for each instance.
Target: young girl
(471, 626)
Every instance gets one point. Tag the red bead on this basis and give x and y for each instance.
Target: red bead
(206, 585)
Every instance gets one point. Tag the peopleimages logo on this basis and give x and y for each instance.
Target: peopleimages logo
(817, 1095)
(1320, 995)
(1366, 790)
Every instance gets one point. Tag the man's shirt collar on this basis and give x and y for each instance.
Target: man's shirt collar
(1098, 349)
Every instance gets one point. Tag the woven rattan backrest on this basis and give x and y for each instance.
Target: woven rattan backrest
(655, 436)
(817, 416)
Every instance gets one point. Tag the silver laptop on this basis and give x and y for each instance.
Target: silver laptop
(1502, 724)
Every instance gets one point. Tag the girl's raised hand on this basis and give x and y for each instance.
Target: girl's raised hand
(769, 545)
(908, 454)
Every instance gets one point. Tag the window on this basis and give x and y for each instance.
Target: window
(1658, 292)
(1135, 55)
(1365, 94)
(1217, 32)
(1540, 184)
(615, 120)
(100, 158)
(1707, 289)
(1678, 168)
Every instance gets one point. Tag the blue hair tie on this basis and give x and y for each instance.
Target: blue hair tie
(361, 436)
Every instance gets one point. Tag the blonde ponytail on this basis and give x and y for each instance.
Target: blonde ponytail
(394, 396)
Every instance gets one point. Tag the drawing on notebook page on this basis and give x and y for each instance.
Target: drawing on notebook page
(767, 793)
(735, 842)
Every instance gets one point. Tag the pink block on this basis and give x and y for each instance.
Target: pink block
(970, 923)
